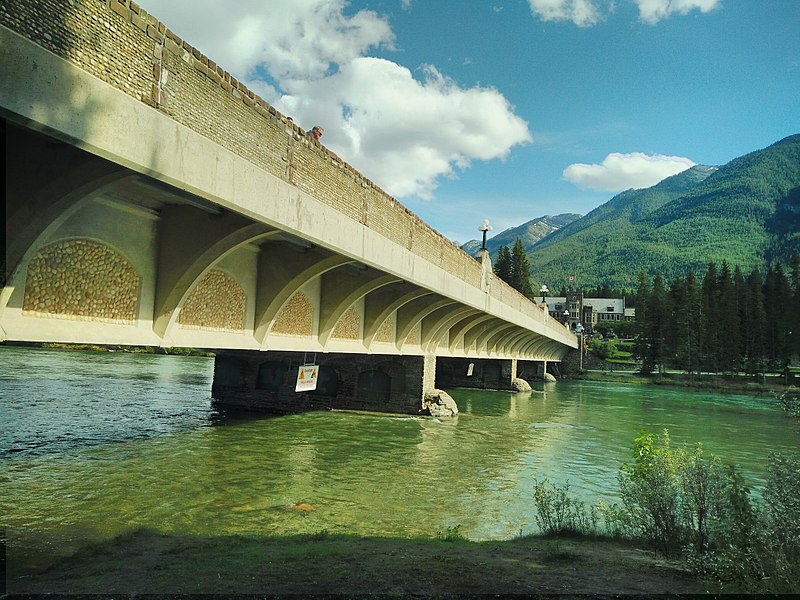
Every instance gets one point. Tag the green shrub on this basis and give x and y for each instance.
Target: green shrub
(781, 520)
(558, 513)
(650, 490)
(688, 502)
(790, 402)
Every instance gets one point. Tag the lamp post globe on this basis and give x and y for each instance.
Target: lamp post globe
(484, 228)
(543, 291)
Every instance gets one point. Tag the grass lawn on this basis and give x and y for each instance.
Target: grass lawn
(145, 562)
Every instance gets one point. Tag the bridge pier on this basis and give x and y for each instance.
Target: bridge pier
(484, 373)
(265, 381)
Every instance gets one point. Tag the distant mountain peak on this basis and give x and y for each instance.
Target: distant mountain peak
(530, 233)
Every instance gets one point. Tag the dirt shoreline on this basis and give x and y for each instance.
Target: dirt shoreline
(161, 566)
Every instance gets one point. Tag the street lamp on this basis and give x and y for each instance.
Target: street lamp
(566, 316)
(579, 331)
(484, 228)
(543, 291)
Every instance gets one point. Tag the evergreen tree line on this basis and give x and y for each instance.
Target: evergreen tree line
(513, 268)
(725, 323)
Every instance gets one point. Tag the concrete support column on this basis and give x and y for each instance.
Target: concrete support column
(515, 383)
(435, 402)
(428, 373)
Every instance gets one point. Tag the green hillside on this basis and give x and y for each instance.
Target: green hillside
(746, 213)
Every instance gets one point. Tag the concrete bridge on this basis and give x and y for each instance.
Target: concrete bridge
(153, 200)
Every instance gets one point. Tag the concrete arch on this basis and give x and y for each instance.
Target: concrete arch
(46, 182)
(537, 346)
(436, 325)
(177, 275)
(27, 232)
(510, 341)
(383, 302)
(460, 330)
(472, 336)
(339, 296)
(409, 315)
(490, 339)
(283, 270)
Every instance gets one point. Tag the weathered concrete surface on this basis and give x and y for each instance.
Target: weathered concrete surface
(314, 256)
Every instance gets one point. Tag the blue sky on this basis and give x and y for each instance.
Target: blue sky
(513, 109)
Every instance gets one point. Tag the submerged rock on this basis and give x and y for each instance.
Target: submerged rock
(520, 385)
(438, 403)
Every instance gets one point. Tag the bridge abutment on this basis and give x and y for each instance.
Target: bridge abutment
(265, 382)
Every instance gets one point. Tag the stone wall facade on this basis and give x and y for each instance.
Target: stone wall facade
(348, 327)
(265, 382)
(83, 280)
(296, 317)
(216, 303)
(120, 43)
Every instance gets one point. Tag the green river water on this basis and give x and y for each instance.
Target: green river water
(96, 444)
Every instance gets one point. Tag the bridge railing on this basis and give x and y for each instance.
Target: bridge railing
(121, 44)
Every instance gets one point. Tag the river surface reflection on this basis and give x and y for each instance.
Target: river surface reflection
(96, 444)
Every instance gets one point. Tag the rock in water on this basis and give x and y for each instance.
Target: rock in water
(549, 377)
(520, 385)
(438, 403)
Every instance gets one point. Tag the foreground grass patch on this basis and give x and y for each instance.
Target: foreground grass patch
(145, 562)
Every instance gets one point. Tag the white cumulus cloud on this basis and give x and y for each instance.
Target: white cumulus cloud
(581, 12)
(405, 132)
(585, 13)
(403, 129)
(652, 11)
(620, 172)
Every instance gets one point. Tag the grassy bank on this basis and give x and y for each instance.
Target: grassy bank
(145, 562)
(718, 383)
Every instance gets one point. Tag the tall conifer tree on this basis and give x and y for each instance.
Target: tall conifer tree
(502, 267)
(710, 325)
(777, 300)
(520, 270)
(691, 322)
(754, 323)
(728, 321)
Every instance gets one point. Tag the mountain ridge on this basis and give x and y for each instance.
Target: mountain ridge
(746, 212)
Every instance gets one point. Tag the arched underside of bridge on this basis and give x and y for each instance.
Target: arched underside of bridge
(98, 253)
(175, 208)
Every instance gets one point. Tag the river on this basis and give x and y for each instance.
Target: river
(96, 444)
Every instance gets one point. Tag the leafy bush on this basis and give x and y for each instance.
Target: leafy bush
(689, 502)
(781, 520)
(650, 491)
(558, 513)
(790, 402)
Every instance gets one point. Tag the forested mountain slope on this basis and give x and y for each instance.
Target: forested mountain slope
(746, 213)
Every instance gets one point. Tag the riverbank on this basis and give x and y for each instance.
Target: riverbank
(771, 387)
(173, 351)
(145, 562)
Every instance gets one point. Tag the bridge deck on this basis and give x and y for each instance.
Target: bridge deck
(169, 205)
